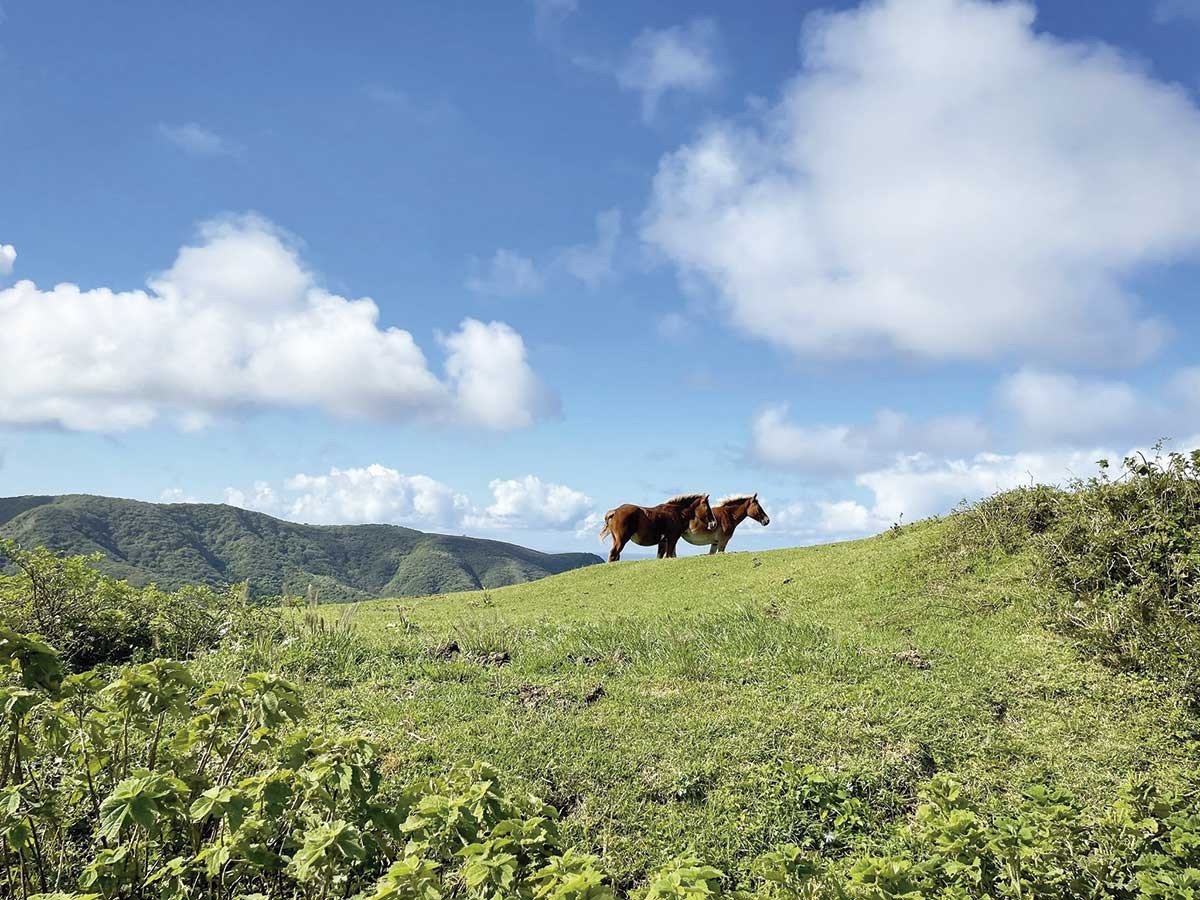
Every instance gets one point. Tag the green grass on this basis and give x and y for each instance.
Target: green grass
(668, 705)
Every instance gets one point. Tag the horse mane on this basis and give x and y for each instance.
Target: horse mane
(733, 498)
(680, 499)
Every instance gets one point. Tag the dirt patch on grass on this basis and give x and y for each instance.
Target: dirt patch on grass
(912, 657)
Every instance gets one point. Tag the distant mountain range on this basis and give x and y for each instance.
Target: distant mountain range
(175, 544)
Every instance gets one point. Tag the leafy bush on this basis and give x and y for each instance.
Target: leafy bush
(1001, 524)
(150, 784)
(1125, 552)
(95, 619)
(1122, 555)
(1145, 845)
(150, 781)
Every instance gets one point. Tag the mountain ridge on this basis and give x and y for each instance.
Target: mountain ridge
(175, 544)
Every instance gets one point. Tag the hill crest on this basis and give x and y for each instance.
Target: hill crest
(175, 544)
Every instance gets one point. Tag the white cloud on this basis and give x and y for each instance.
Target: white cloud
(493, 384)
(593, 263)
(239, 322)
(823, 449)
(920, 485)
(506, 274)
(261, 497)
(1054, 408)
(8, 256)
(1058, 407)
(588, 527)
(793, 517)
(846, 517)
(510, 274)
(1185, 388)
(531, 503)
(679, 58)
(197, 140)
(941, 180)
(373, 494)
(812, 522)
(1168, 11)
(380, 494)
(675, 326)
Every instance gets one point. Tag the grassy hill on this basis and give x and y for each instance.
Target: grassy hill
(731, 704)
(178, 544)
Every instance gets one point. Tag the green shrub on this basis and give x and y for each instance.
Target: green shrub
(153, 782)
(1000, 525)
(150, 784)
(1046, 846)
(91, 618)
(1120, 555)
(95, 619)
(1125, 555)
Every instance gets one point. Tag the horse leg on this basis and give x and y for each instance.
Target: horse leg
(712, 548)
(671, 544)
(662, 548)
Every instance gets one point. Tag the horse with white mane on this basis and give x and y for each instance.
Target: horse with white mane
(728, 514)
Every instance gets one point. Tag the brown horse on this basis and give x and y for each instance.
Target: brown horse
(662, 525)
(728, 514)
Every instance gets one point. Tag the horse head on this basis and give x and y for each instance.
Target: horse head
(755, 511)
(702, 515)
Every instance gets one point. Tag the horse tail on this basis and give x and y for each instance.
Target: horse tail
(607, 529)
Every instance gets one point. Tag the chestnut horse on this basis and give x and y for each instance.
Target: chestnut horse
(728, 514)
(662, 525)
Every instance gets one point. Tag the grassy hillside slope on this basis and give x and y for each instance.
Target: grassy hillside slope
(676, 704)
(190, 543)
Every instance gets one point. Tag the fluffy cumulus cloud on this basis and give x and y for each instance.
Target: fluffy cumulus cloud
(380, 494)
(196, 140)
(942, 180)
(239, 322)
(1056, 408)
(679, 58)
(919, 485)
(922, 485)
(8, 256)
(866, 476)
(494, 385)
(531, 503)
(374, 493)
(779, 442)
(845, 517)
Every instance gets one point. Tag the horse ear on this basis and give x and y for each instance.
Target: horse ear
(755, 497)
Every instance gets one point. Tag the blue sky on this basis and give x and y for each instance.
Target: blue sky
(493, 268)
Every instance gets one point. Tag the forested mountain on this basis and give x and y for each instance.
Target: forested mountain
(173, 544)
